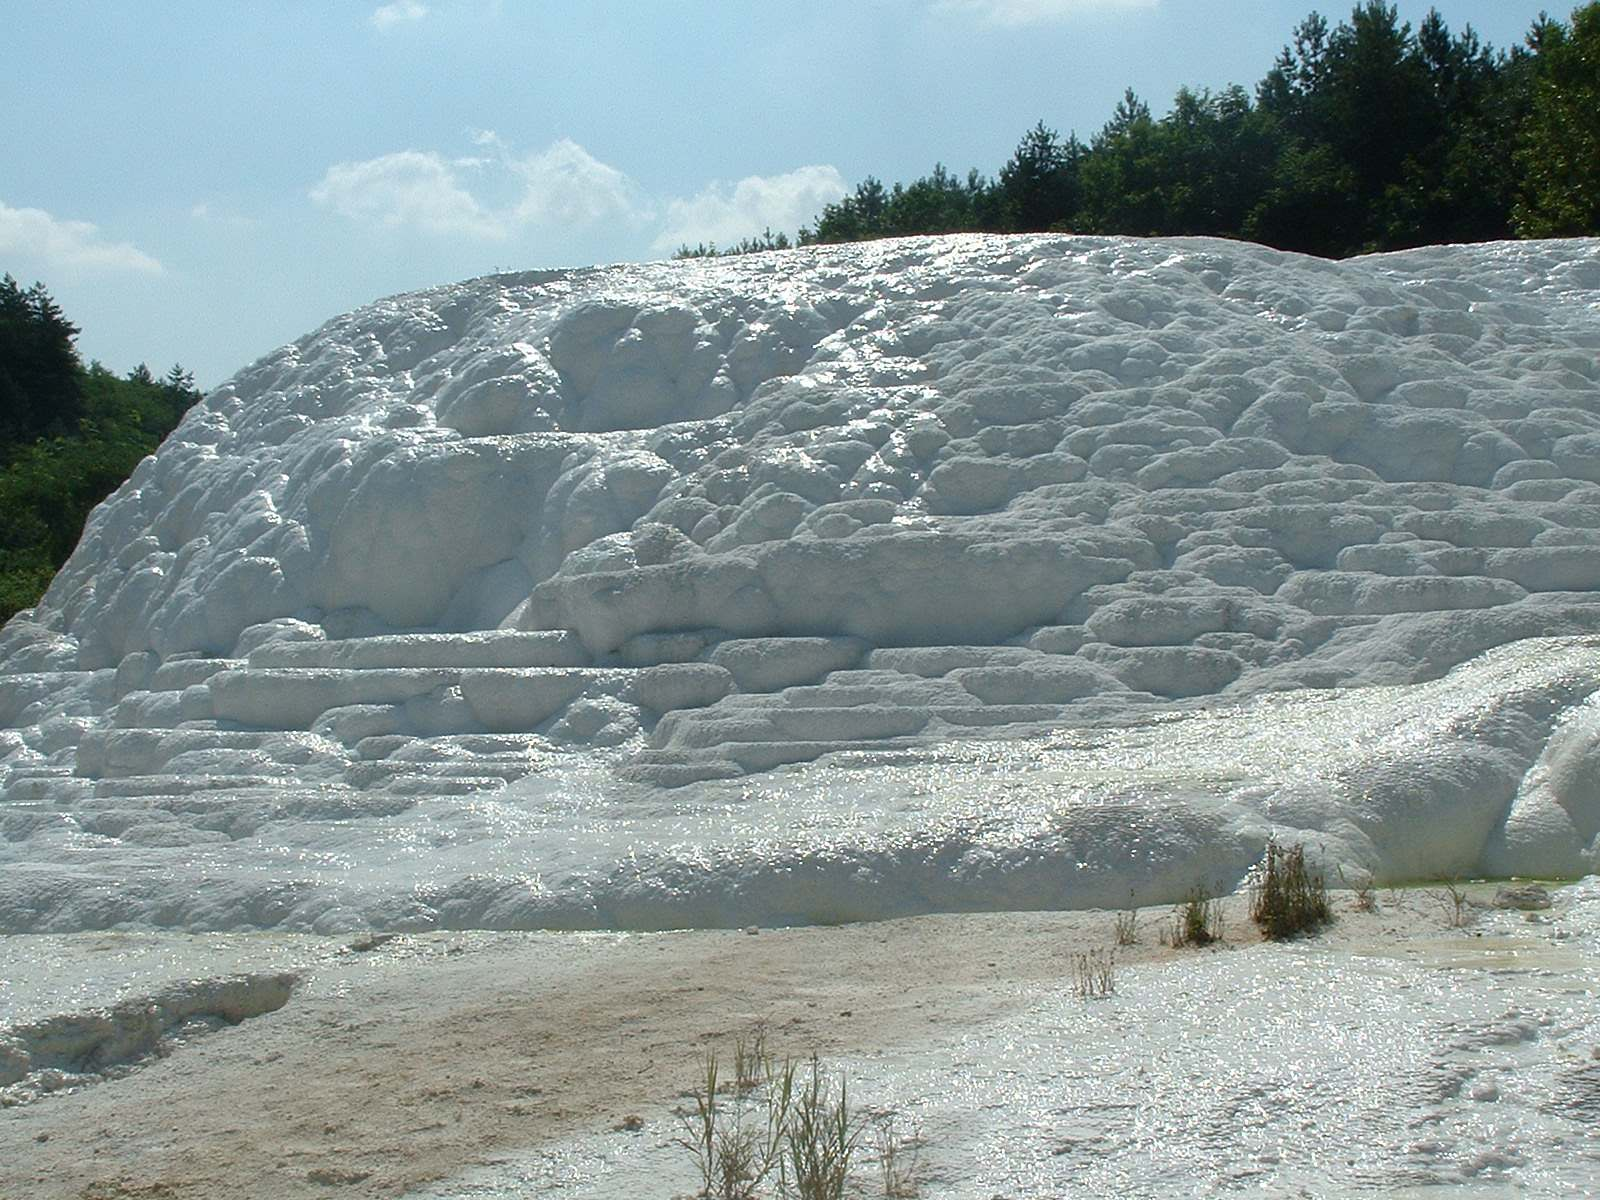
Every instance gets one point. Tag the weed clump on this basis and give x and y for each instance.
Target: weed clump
(1125, 927)
(1287, 897)
(736, 1134)
(1197, 921)
(820, 1138)
(1094, 974)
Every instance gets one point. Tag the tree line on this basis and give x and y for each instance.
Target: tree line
(1364, 136)
(69, 435)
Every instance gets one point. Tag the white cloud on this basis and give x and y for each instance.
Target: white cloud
(1014, 14)
(724, 215)
(413, 188)
(35, 234)
(566, 185)
(563, 186)
(400, 12)
(206, 214)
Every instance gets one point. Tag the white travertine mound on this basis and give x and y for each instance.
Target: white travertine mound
(671, 524)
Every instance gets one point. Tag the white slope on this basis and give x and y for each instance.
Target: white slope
(499, 604)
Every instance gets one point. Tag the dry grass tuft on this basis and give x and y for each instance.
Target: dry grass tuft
(1454, 899)
(1125, 927)
(1094, 974)
(898, 1156)
(1366, 895)
(1197, 921)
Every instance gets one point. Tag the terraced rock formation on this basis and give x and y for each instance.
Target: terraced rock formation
(673, 526)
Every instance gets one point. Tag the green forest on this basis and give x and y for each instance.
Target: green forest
(1364, 136)
(69, 434)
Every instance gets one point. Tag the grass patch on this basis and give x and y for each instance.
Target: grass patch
(777, 1126)
(820, 1139)
(1287, 897)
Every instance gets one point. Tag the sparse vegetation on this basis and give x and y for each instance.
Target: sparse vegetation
(1094, 973)
(899, 1156)
(69, 434)
(758, 245)
(1125, 926)
(771, 1123)
(1366, 895)
(1365, 134)
(1197, 921)
(821, 1136)
(1454, 899)
(736, 1132)
(1287, 897)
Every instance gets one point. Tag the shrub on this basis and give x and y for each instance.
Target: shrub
(1287, 898)
(1366, 895)
(1454, 899)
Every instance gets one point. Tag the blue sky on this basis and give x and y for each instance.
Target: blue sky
(203, 181)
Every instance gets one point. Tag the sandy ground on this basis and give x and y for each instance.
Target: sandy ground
(424, 1056)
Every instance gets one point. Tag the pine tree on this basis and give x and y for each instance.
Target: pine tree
(1559, 150)
(1038, 186)
(39, 367)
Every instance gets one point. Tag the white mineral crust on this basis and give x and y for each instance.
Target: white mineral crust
(944, 573)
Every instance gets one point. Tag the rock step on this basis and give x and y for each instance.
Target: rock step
(39, 770)
(120, 753)
(501, 699)
(763, 756)
(162, 710)
(47, 788)
(423, 786)
(182, 673)
(19, 822)
(483, 648)
(169, 785)
(376, 774)
(701, 729)
(679, 774)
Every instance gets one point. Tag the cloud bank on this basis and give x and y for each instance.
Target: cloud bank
(723, 214)
(416, 189)
(560, 187)
(563, 186)
(35, 234)
(402, 12)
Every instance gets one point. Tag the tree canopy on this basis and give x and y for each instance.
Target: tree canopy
(1365, 135)
(69, 435)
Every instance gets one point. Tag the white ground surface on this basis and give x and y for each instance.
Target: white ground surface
(968, 576)
(1392, 1055)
